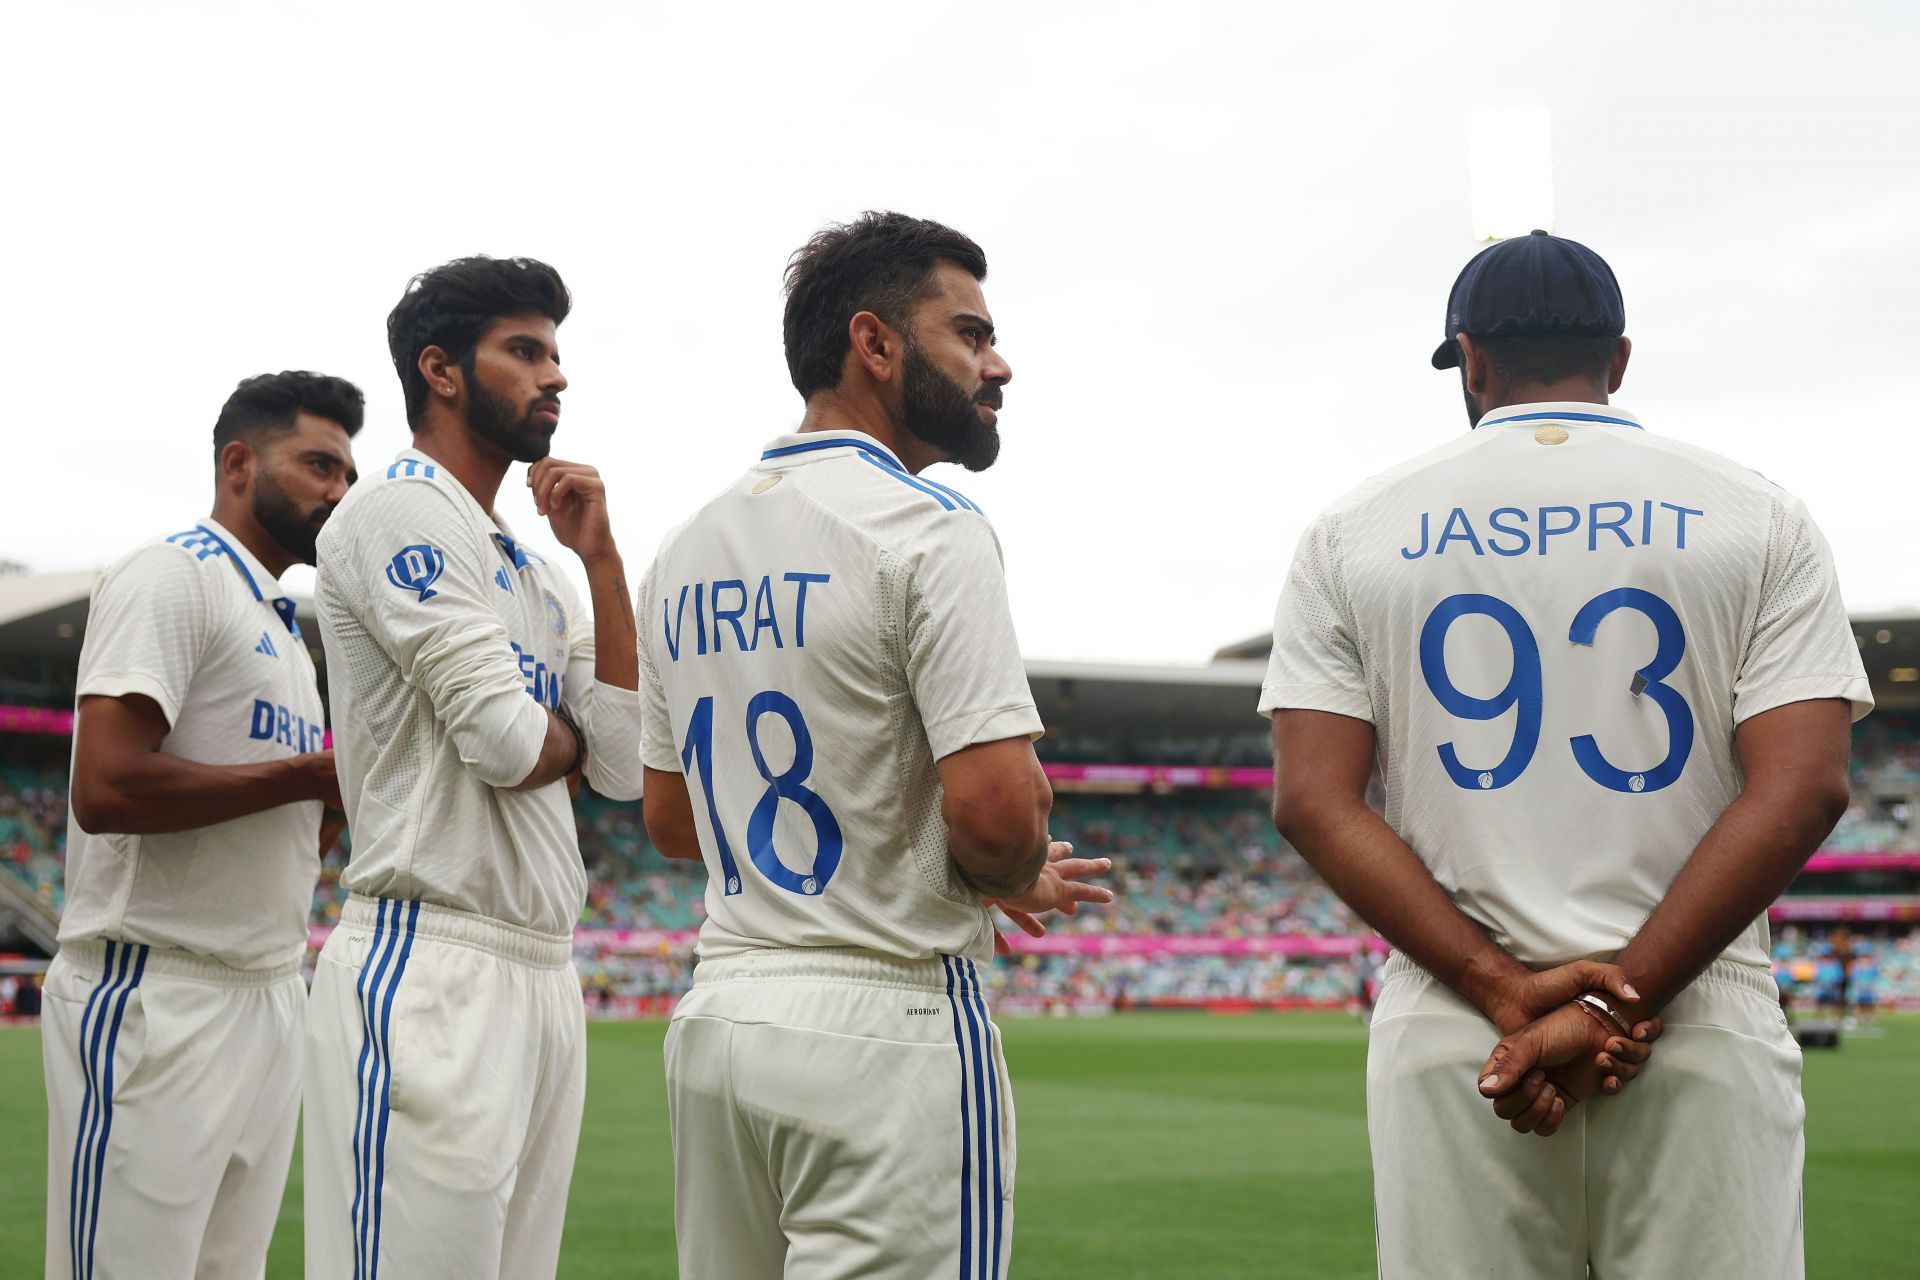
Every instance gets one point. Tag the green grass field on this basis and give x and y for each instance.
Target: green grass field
(1151, 1145)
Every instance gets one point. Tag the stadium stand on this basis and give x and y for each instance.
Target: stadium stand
(1193, 868)
(1160, 768)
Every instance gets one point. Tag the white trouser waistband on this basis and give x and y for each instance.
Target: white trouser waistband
(839, 964)
(462, 928)
(89, 956)
(1728, 971)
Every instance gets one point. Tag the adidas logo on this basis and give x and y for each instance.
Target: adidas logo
(266, 646)
(501, 580)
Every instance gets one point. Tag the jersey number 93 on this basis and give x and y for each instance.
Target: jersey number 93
(1523, 691)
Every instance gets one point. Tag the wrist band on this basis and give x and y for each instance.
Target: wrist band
(579, 738)
(1599, 1005)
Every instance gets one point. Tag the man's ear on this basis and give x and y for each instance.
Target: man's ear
(1475, 365)
(234, 467)
(875, 345)
(445, 378)
(1622, 352)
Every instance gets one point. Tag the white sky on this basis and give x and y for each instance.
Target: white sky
(1221, 238)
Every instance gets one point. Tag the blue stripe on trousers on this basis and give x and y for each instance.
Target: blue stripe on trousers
(993, 1093)
(386, 1086)
(372, 971)
(966, 1137)
(76, 1210)
(980, 1117)
(106, 1094)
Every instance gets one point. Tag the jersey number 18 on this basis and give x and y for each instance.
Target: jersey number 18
(697, 751)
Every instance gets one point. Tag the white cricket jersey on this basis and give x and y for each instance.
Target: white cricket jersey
(195, 623)
(1554, 623)
(811, 643)
(446, 642)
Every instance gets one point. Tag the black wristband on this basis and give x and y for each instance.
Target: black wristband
(579, 739)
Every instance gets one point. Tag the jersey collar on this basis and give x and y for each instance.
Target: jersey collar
(1568, 411)
(251, 571)
(412, 462)
(798, 447)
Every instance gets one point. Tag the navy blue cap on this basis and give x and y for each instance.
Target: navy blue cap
(1532, 284)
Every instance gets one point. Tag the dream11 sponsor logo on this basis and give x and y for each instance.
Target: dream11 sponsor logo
(416, 568)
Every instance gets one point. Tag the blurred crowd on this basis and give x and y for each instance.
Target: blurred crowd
(1188, 864)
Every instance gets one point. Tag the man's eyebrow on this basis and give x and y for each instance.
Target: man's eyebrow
(536, 340)
(979, 321)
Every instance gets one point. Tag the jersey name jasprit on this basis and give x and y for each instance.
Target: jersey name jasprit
(1554, 623)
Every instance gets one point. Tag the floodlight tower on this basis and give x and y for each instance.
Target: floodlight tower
(1510, 166)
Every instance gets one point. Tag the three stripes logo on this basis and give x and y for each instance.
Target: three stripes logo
(120, 973)
(982, 1203)
(266, 646)
(380, 975)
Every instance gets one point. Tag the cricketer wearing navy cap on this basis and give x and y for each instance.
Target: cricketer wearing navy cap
(1532, 286)
(1607, 677)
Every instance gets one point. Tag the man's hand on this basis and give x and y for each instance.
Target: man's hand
(1559, 1060)
(1057, 889)
(573, 498)
(317, 777)
(1521, 1000)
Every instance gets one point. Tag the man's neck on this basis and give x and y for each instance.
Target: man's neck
(1571, 390)
(232, 515)
(479, 467)
(834, 410)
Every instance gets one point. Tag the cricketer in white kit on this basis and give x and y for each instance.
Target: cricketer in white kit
(838, 722)
(446, 1063)
(171, 1025)
(1608, 679)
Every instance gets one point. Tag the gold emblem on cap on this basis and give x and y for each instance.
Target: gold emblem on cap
(1551, 433)
(771, 481)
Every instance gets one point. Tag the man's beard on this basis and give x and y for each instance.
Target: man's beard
(275, 510)
(1473, 415)
(936, 409)
(497, 420)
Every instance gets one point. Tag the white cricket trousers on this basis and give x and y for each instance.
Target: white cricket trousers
(839, 1113)
(446, 1070)
(173, 1091)
(1693, 1170)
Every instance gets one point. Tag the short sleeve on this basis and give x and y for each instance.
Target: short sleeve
(963, 659)
(657, 749)
(1316, 664)
(1802, 645)
(150, 621)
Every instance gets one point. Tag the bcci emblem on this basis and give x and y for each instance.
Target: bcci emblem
(417, 568)
(556, 616)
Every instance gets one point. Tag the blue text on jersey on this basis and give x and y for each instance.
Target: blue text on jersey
(1534, 530)
(543, 682)
(274, 723)
(728, 600)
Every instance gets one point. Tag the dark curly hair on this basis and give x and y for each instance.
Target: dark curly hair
(267, 404)
(451, 306)
(879, 262)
